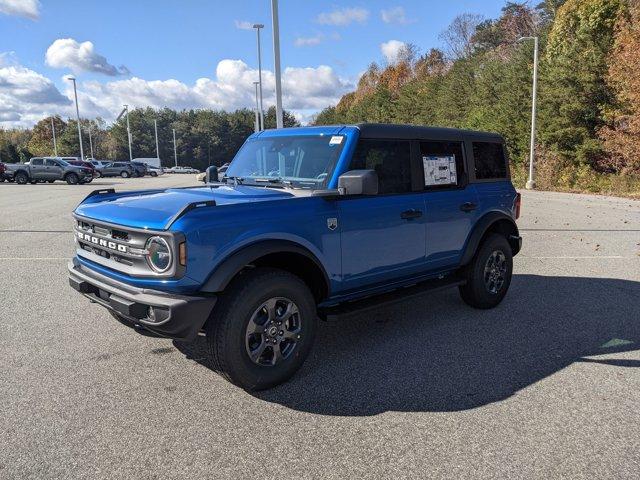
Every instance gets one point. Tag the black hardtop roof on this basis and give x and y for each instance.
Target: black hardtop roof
(417, 132)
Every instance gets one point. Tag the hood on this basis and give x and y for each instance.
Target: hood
(156, 209)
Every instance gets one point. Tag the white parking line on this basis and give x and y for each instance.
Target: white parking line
(582, 257)
(34, 258)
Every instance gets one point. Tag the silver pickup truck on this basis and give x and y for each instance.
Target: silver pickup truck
(48, 169)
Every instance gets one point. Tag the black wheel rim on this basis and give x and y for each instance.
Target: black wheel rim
(273, 332)
(495, 271)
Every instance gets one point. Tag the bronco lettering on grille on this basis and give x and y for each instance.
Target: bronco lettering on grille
(101, 242)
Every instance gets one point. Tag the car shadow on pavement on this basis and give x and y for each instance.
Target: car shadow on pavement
(437, 354)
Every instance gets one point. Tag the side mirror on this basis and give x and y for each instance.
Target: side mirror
(212, 175)
(358, 182)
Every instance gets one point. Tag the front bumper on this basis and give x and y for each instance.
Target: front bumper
(175, 316)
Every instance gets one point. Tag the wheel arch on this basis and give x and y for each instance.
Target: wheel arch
(282, 254)
(492, 222)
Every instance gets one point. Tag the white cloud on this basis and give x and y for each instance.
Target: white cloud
(243, 25)
(80, 57)
(308, 41)
(27, 96)
(344, 17)
(21, 8)
(391, 49)
(395, 15)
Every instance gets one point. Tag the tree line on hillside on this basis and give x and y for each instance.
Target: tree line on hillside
(203, 137)
(589, 89)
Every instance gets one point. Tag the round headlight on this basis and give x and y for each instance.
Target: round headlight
(158, 254)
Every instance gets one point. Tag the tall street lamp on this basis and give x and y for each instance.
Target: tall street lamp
(531, 184)
(276, 62)
(257, 123)
(155, 127)
(126, 109)
(175, 150)
(53, 132)
(75, 93)
(258, 26)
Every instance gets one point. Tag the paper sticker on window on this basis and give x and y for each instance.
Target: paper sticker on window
(440, 170)
(336, 140)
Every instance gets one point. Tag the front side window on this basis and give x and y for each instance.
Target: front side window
(490, 161)
(391, 160)
(443, 165)
(37, 162)
(51, 163)
(302, 161)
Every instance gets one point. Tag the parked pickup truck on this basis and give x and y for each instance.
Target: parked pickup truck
(49, 169)
(312, 222)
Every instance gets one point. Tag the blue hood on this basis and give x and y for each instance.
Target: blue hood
(155, 209)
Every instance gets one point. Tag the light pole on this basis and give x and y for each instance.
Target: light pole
(531, 184)
(75, 93)
(90, 143)
(258, 26)
(155, 127)
(255, 84)
(55, 145)
(126, 108)
(175, 151)
(276, 61)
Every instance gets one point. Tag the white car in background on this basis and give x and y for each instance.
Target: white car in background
(155, 171)
(181, 169)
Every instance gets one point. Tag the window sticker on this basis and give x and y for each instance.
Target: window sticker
(336, 140)
(439, 170)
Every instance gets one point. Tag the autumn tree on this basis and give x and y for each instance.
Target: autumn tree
(622, 135)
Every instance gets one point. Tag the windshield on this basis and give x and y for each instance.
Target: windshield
(63, 163)
(302, 161)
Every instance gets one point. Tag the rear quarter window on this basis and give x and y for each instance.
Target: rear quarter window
(490, 162)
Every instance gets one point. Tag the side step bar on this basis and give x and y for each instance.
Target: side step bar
(399, 295)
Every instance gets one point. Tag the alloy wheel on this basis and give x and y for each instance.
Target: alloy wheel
(495, 270)
(273, 332)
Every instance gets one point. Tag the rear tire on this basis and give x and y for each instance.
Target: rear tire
(262, 329)
(153, 174)
(489, 273)
(72, 179)
(21, 178)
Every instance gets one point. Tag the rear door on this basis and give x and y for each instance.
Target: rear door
(451, 203)
(490, 175)
(383, 236)
(37, 169)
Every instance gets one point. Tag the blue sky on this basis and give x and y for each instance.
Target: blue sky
(138, 47)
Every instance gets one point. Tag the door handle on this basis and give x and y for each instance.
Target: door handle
(468, 207)
(412, 213)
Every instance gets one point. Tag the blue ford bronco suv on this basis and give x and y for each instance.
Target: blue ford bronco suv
(308, 223)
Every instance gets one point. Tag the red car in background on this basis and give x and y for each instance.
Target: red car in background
(79, 163)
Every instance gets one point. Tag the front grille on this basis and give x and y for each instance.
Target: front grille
(123, 249)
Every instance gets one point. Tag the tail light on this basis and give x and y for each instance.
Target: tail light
(516, 205)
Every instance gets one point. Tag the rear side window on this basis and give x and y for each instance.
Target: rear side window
(443, 165)
(36, 161)
(391, 160)
(489, 159)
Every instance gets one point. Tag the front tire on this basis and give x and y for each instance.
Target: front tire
(153, 174)
(262, 329)
(125, 174)
(72, 179)
(489, 273)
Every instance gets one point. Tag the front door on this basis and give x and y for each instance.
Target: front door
(53, 170)
(383, 236)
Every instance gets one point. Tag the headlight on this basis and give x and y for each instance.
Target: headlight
(159, 254)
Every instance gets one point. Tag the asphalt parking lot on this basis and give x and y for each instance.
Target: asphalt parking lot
(546, 385)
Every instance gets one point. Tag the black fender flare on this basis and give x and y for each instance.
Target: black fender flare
(482, 226)
(232, 265)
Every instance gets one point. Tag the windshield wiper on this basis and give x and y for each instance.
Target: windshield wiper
(275, 181)
(235, 180)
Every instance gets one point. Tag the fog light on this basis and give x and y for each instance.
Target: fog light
(151, 314)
